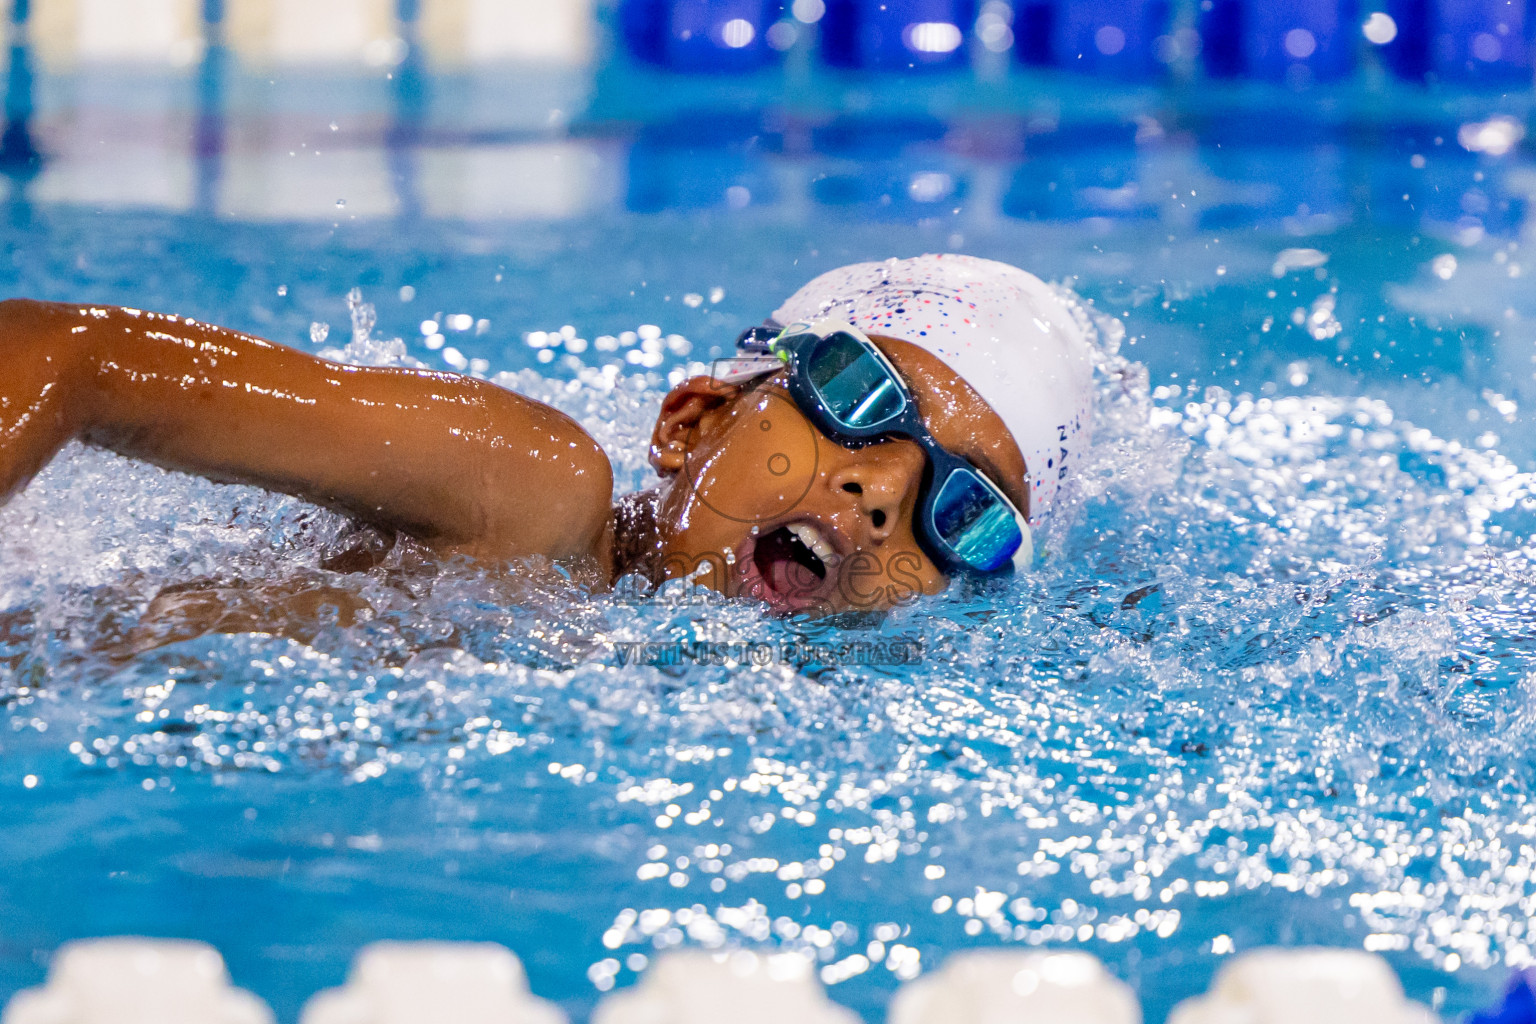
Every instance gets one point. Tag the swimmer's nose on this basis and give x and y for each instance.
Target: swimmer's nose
(879, 481)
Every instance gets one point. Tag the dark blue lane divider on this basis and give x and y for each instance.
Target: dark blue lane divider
(19, 156)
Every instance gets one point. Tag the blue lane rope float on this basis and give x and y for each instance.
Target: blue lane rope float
(1476, 42)
(897, 35)
(1294, 42)
(701, 35)
(1117, 38)
(1481, 41)
(1291, 41)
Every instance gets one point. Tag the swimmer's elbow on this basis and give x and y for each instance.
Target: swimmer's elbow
(591, 497)
(557, 507)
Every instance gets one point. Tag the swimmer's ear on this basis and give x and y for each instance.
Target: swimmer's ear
(688, 411)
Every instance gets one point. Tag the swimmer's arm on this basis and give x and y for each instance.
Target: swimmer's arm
(460, 464)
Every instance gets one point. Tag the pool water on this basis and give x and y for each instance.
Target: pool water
(1272, 682)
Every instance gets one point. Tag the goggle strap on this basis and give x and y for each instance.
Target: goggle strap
(745, 368)
(758, 339)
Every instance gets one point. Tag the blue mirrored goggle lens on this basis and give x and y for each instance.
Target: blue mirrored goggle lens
(975, 522)
(854, 386)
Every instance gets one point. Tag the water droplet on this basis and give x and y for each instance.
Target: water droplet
(363, 315)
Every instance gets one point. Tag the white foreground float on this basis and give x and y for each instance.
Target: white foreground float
(432, 983)
(1304, 986)
(158, 981)
(1001, 986)
(694, 987)
(136, 981)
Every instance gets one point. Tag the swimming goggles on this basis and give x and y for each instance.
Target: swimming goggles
(852, 393)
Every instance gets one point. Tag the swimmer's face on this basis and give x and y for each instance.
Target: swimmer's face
(763, 505)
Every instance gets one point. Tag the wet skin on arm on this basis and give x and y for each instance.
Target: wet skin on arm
(460, 464)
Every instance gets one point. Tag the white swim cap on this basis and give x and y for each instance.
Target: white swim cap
(1009, 334)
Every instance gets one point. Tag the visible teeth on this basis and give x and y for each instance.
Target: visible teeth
(812, 538)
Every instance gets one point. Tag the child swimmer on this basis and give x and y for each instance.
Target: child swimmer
(897, 423)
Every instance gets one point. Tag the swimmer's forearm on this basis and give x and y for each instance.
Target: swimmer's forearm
(457, 462)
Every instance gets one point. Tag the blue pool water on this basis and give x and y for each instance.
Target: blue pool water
(1272, 684)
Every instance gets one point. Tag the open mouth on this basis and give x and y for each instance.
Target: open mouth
(795, 566)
